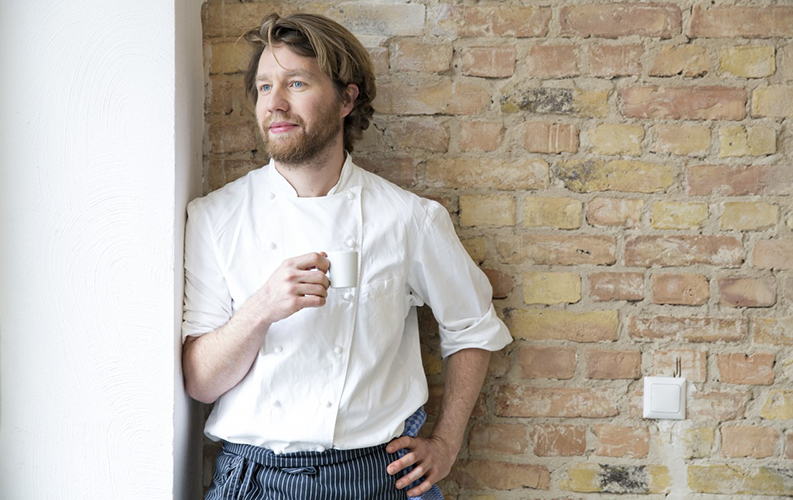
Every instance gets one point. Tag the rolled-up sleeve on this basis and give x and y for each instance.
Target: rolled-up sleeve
(458, 292)
(207, 301)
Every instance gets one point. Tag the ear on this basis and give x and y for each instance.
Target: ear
(350, 95)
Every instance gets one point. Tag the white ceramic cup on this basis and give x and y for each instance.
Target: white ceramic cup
(343, 272)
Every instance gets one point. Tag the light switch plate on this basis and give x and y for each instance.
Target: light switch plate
(665, 398)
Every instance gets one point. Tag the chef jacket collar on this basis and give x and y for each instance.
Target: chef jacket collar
(280, 186)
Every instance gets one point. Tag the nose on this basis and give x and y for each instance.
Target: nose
(277, 100)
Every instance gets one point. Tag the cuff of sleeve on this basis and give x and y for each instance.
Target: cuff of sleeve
(489, 333)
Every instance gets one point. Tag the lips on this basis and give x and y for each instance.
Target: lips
(281, 127)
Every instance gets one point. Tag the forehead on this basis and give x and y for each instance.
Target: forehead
(280, 60)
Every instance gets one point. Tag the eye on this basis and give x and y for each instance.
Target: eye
(265, 87)
(298, 85)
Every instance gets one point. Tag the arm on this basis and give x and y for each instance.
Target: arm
(464, 375)
(216, 361)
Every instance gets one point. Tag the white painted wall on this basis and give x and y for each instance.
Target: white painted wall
(100, 134)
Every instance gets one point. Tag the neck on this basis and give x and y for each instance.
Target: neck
(317, 176)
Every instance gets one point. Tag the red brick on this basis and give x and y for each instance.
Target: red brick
(545, 137)
(693, 363)
(553, 440)
(767, 21)
(232, 136)
(420, 132)
(381, 19)
(682, 251)
(616, 286)
(773, 254)
(546, 362)
(748, 292)
(499, 363)
(379, 57)
(739, 441)
(692, 329)
(565, 250)
(680, 289)
(621, 19)
(498, 438)
(500, 281)
(478, 474)
(615, 60)
(431, 97)
(623, 212)
(552, 61)
(483, 21)
(570, 402)
(489, 62)
(484, 136)
(399, 170)
(614, 365)
(728, 180)
(409, 55)
(718, 405)
(618, 441)
(684, 103)
(737, 368)
(686, 60)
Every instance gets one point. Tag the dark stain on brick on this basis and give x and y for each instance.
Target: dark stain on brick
(618, 479)
(576, 174)
(542, 101)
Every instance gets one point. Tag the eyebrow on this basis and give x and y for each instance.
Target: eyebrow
(296, 72)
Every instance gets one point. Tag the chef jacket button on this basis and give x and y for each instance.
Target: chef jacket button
(276, 403)
(278, 349)
(271, 195)
(328, 404)
(350, 196)
(337, 350)
(273, 245)
(320, 449)
(350, 242)
(347, 296)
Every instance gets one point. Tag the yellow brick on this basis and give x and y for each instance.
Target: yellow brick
(699, 442)
(751, 61)
(475, 248)
(740, 141)
(494, 210)
(680, 139)
(748, 215)
(678, 215)
(778, 406)
(551, 288)
(550, 324)
(585, 176)
(686, 60)
(734, 480)
(775, 101)
(617, 139)
(229, 57)
(617, 479)
(563, 213)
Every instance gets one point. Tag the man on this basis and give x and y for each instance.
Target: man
(319, 391)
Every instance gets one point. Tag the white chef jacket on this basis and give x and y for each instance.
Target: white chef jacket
(347, 374)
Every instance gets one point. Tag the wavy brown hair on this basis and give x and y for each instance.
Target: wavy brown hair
(339, 54)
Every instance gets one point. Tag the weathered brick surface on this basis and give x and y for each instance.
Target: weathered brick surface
(550, 440)
(686, 60)
(686, 103)
(680, 289)
(620, 441)
(616, 286)
(738, 368)
(618, 19)
(621, 172)
(613, 365)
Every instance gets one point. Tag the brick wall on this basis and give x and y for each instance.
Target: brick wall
(622, 172)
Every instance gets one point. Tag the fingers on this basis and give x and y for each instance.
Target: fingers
(399, 443)
(420, 489)
(310, 260)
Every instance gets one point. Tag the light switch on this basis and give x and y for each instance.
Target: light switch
(665, 397)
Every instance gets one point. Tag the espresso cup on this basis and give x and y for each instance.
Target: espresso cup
(343, 272)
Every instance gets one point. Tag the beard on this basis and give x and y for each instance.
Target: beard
(303, 144)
